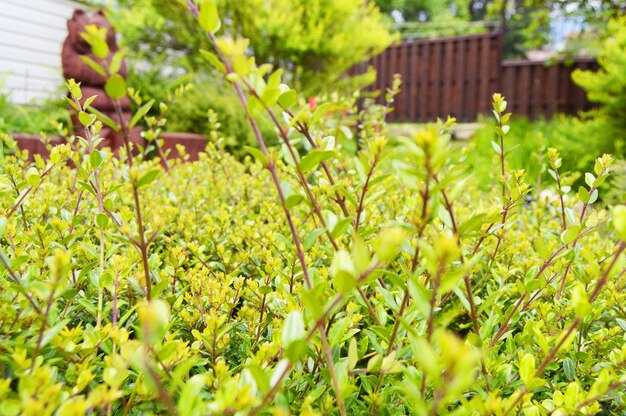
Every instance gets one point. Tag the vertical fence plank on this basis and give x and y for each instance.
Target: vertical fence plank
(447, 77)
(484, 75)
(423, 81)
(537, 86)
(460, 87)
(413, 74)
(472, 79)
(552, 91)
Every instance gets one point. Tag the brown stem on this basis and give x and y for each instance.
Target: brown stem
(359, 210)
(304, 129)
(301, 178)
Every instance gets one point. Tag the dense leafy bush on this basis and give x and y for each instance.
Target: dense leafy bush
(607, 87)
(44, 117)
(578, 140)
(315, 41)
(192, 112)
(381, 281)
(307, 39)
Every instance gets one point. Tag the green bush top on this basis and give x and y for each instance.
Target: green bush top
(342, 272)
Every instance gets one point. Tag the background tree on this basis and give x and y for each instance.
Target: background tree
(527, 22)
(607, 87)
(315, 41)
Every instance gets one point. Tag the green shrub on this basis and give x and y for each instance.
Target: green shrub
(577, 140)
(380, 281)
(44, 117)
(190, 112)
(315, 41)
(607, 87)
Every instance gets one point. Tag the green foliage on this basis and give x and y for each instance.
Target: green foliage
(607, 87)
(381, 281)
(202, 101)
(577, 140)
(315, 41)
(47, 116)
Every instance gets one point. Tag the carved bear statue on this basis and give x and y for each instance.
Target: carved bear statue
(92, 83)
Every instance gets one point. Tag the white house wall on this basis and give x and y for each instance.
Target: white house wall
(31, 36)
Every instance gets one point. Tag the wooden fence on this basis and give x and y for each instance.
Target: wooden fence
(535, 89)
(457, 76)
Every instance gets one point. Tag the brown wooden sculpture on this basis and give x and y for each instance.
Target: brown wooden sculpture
(92, 83)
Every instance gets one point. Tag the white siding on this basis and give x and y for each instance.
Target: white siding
(31, 37)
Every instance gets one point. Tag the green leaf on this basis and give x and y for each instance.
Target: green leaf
(116, 62)
(102, 220)
(353, 354)
(275, 79)
(115, 87)
(541, 248)
(142, 111)
(314, 158)
(360, 255)
(293, 330)
(296, 350)
(213, 60)
(86, 119)
(583, 194)
(71, 103)
(580, 302)
(93, 65)
(341, 227)
(255, 106)
(104, 118)
(96, 158)
(319, 112)
(148, 177)
(288, 99)
(52, 332)
(270, 95)
(589, 179)
(527, 368)
(209, 18)
(342, 271)
(570, 235)
(89, 100)
(264, 290)
(374, 363)
(3, 226)
(310, 239)
(261, 378)
(190, 394)
(257, 154)
(389, 242)
(32, 176)
(74, 88)
(291, 195)
(569, 368)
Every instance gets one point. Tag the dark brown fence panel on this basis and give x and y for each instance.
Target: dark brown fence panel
(449, 76)
(456, 76)
(535, 89)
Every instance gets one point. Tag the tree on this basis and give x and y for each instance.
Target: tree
(317, 41)
(526, 22)
(607, 87)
